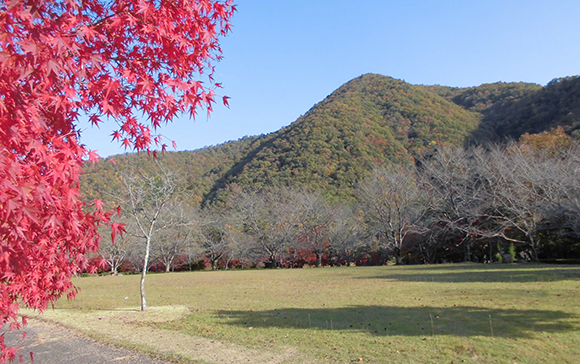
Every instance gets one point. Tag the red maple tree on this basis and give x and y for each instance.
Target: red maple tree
(65, 59)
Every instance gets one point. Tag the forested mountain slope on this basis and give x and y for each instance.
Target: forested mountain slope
(556, 104)
(199, 169)
(510, 110)
(368, 120)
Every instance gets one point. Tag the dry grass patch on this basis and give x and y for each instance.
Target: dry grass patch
(134, 329)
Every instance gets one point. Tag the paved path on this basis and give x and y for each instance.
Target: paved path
(51, 344)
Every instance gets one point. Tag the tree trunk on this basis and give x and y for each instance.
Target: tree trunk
(142, 290)
(144, 273)
(398, 256)
(467, 250)
(533, 248)
(114, 267)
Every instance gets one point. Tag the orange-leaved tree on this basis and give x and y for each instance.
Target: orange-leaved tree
(61, 60)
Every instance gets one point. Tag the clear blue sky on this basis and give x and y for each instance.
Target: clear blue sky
(284, 56)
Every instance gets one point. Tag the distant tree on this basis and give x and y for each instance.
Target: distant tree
(314, 217)
(553, 143)
(345, 234)
(115, 252)
(238, 248)
(544, 185)
(391, 204)
(211, 236)
(566, 185)
(430, 239)
(457, 195)
(135, 255)
(520, 202)
(269, 218)
(172, 240)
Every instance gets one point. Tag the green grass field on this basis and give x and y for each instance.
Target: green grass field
(416, 314)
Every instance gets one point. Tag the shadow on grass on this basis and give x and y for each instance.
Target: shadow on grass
(415, 321)
(483, 273)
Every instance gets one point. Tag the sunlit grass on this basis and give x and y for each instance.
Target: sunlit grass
(426, 314)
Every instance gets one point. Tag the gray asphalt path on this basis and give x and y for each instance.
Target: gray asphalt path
(51, 344)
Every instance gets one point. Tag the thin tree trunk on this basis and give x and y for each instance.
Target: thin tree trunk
(144, 273)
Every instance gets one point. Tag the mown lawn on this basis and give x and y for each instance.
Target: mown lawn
(415, 314)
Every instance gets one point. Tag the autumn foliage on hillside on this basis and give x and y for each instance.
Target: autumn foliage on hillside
(109, 61)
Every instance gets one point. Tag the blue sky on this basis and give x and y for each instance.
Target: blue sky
(284, 56)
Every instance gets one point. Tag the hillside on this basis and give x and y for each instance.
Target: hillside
(556, 104)
(510, 110)
(200, 169)
(487, 96)
(368, 120)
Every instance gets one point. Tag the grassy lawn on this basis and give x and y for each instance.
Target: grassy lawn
(416, 314)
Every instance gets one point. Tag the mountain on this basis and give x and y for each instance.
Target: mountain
(370, 119)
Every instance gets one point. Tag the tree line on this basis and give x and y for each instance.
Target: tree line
(484, 204)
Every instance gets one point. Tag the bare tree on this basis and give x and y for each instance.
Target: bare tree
(314, 217)
(520, 181)
(145, 198)
(172, 240)
(116, 252)
(563, 189)
(507, 192)
(269, 218)
(344, 234)
(457, 195)
(212, 236)
(192, 253)
(390, 200)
